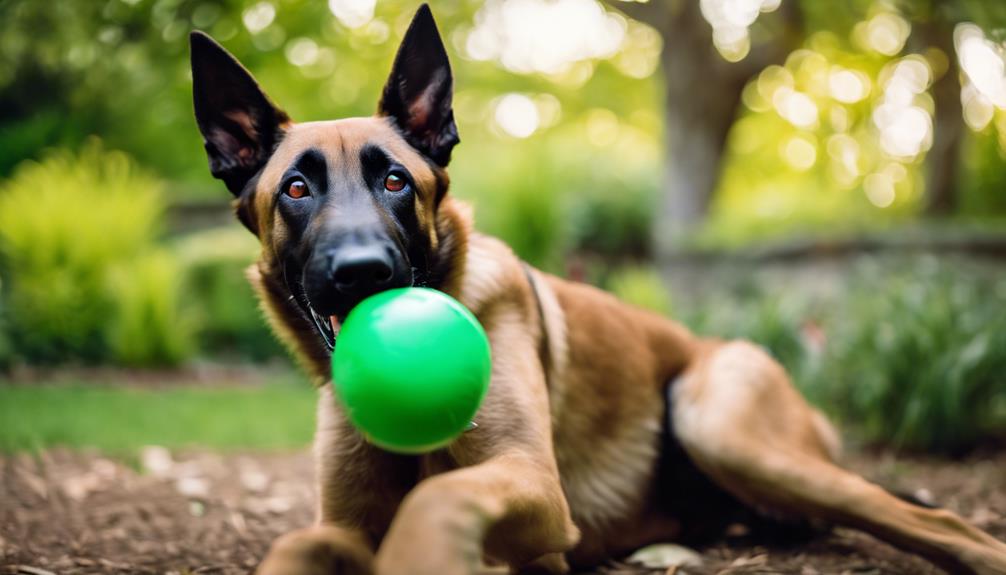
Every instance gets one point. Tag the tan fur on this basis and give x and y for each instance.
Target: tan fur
(564, 459)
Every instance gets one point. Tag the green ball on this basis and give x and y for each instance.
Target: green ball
(411, 366)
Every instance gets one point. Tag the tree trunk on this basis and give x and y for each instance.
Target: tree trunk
(702, 95)
(943, 158)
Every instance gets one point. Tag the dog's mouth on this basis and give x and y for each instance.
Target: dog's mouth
(326, 326)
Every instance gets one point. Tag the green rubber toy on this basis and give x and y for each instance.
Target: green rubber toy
(411, 366)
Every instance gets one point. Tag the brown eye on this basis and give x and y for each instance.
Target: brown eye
(394, 183)
(296, 189)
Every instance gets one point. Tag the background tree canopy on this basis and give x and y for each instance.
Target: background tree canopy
(779, 116)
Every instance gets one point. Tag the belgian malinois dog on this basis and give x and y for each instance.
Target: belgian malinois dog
(605, 427)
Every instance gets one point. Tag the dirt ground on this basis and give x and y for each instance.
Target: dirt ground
(74, 513)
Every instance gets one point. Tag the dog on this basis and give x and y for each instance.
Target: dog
(605, 427)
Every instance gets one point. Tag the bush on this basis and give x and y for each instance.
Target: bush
(75, 232)
(925, 366)
(148, 327)
(549, 196)
(642, 287)
(223, 306)
(912, 359)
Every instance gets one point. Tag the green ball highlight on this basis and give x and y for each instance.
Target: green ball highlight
(411, 367)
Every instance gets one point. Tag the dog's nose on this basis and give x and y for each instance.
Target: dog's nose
(362, 270)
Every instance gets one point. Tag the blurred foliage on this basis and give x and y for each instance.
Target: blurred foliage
(149, 327)
(78, 243)
(913, 357)
(926, 367)
(222, 303)
(119, 68)
(640, 286)
(87, 277)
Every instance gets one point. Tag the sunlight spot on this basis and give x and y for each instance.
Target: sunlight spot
(353, 13)
(640, 54)
(885, 33)
(302, 52)
(377, 31)
(796, 107)
(549, 109)
(978, 109)
(896, 171)
(906, 129)
(848, 86)
(905, 132)
(839, 118)
(258, 17)
(982, 62)
(730, 20)
(528, 36)
(517, 115)
(844, 150)
(800, 152)
(602, 127)
(753, 99)
(269, 39)
(879, 189)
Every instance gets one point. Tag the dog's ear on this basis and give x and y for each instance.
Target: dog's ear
(419, 91)
(240, 126)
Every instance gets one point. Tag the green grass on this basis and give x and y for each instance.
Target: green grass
(120, 420)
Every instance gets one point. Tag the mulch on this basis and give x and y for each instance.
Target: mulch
(73, 513)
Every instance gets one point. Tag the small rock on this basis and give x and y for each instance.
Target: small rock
(924, 495)
(193, 486)
(156, 460)
(665, 555)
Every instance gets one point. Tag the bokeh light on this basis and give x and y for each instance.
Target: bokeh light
(984, 67)
(885, 33)
(258, 17)
(796, 107)
(906, 129)
(353, 13)
(544, 36)
(516, 115)
(731, 20)
(848, 86)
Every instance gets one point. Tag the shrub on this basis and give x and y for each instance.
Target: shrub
(148, 327)
(641, 286)
(913, 358)
(70, 225)
(222, 303)
(924, 366)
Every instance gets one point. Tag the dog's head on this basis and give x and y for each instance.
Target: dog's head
(347, 208)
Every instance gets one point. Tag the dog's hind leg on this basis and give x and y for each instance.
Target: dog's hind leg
(742, 422)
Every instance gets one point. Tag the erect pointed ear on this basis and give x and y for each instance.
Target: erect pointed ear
(420, 89)
(240, 126)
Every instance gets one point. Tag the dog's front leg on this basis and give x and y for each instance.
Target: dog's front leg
(505, 500)
(359, 489)
(510, 505)
(322, 549)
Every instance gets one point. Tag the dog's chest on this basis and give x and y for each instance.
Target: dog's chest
(608, 479)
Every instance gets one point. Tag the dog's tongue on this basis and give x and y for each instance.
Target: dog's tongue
(335, 324)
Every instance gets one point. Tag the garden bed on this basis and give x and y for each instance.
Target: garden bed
(72, 512)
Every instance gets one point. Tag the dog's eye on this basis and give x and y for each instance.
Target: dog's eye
(296, 189)
(394, 183)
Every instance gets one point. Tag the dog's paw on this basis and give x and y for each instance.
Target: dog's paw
(319, 550)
